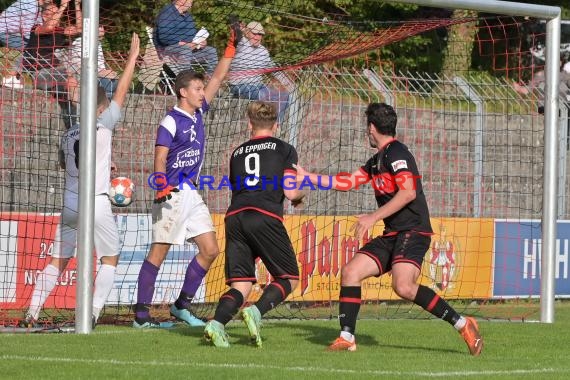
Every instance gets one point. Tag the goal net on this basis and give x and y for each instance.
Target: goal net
(472, 119)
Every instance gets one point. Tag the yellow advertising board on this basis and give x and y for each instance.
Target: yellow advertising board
(457, 265)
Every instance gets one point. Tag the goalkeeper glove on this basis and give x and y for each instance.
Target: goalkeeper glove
(165, 194)
(235, 37)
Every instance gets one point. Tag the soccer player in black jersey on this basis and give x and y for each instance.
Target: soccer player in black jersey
(262, 175)
(401, 249)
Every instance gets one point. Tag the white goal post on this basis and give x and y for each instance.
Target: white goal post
(550, 170)
(87, 148)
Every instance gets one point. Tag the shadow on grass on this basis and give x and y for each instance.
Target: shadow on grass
(324, 336)
(316, 334)
(184, 329)
(237, 333)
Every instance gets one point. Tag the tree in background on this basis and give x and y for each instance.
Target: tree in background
(460, 43)
(300, 27)
(292, 26)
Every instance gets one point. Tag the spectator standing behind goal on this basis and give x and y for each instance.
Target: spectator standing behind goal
(401, 249)
(247, 71)
(254, 225)
(16, 22)
(179, 214)
(106, 236)
(538, 82)
(175, 33)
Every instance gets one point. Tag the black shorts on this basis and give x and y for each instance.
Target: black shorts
(251, 234)
(403, 247)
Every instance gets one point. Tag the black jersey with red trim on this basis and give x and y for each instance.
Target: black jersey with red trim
(259, 170)
(386, 169)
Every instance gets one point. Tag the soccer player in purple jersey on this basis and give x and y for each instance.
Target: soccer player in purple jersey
(262, 175)
(401, 249)
(178, 212)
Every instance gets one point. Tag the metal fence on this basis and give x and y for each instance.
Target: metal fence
(478, 143)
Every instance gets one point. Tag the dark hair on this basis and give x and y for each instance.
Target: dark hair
(383, 117)
(184, 78)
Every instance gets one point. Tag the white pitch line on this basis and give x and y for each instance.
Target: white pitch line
(291, 369)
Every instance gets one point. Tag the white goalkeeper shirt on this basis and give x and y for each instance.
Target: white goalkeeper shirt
(69, 152)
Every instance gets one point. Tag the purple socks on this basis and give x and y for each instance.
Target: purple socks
(146, 281)
(194, 275)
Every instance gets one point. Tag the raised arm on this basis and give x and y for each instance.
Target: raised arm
(127, 75)
(78, 14)
(73, 30)
(48, 26)
(224, 64)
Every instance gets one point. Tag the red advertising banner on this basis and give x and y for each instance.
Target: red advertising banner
(458, 264)
(34, 236)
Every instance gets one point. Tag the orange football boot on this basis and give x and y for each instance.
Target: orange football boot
(470, 333)
(341, 344)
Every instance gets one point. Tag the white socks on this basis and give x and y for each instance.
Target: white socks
(347, 336)
(45, 282)
(460, 323)
(103, 285)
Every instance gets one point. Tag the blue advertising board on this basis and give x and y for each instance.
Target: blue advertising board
(517, 258)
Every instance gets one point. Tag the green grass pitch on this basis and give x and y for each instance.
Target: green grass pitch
(389, 349)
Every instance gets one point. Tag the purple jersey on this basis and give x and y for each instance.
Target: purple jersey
(184, 136)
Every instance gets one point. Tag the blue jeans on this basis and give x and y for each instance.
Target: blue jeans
(186, 57)
(12, 40)
(264, 93)
(53, 80)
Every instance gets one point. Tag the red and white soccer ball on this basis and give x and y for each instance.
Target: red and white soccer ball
(122, 191)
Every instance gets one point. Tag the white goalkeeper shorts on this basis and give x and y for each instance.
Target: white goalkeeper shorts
(180, 218)
(105, 234)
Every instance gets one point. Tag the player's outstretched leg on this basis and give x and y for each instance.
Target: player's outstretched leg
(216, 333)
(437, 306)
(186, 316)
(472, 337)
(252, 318)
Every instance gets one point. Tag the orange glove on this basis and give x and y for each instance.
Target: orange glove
(165, 194)
(163, 189)
(235, 37)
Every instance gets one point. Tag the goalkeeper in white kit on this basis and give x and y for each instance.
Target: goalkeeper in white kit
(106, 237)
